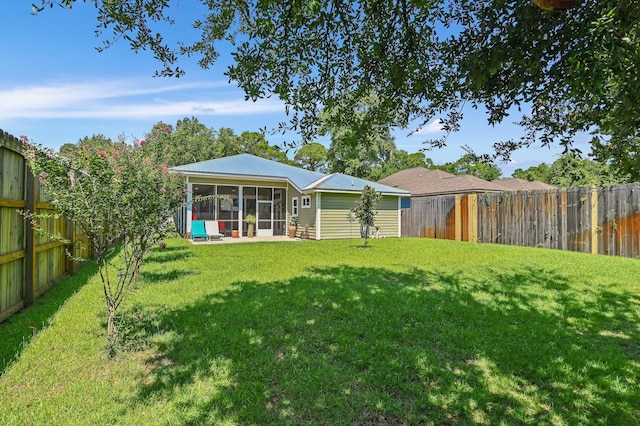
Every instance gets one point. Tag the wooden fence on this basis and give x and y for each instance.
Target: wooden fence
(591, 220)
(30, 262)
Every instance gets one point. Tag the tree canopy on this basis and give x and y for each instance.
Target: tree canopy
(570, 72)
(570, 171)
(468, 165)
(312, 156)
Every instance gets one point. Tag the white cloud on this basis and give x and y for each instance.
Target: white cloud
(434, 127)
(125, 99)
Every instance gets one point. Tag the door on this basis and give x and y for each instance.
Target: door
(265, 219)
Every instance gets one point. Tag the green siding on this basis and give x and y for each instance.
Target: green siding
(307, 218)
(336, 207)
(387, 217)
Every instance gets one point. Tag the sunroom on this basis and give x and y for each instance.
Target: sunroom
(229, 189)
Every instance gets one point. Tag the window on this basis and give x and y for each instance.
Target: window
(294, 206)
(306, 201)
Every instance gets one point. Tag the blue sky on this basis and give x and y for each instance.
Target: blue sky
(56, 88)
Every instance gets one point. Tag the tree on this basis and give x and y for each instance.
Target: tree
(359, 147)
(538, 173)
(401, 160)
(117, 195)
(190, 142)
(360, 159)
(312, 156)
(468, 164)
(623, 156)
(95, 143)
(255, 143)
(576, 71)
(365, 211)
(227, 143)
(569, 170)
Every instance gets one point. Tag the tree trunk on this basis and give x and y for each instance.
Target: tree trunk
(112, 329)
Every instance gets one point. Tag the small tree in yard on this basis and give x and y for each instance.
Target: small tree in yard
(365, 211)
(120, 199)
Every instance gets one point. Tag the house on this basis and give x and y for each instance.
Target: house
(274, 192)
(422, 182)
(516, 184)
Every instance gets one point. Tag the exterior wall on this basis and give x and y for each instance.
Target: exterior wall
(306, 215)
(235, 224)
(307, 218)
(388, 217)
(335, 209)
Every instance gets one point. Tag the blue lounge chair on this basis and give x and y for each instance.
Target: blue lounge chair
(198, 231)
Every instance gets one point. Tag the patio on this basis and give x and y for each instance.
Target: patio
(231, 240)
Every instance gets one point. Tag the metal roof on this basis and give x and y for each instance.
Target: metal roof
(340, 182)
(250, 166)
(247, 165)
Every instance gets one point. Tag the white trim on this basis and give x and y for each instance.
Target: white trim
(282, 179)
(240, 208)
(304, 198)
(318, 215)
(354, 192)
(399, 217)
(189, 205)
(295, 206)
(318, 182)
(264, 232)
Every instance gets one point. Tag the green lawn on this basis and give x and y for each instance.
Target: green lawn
(408, 331)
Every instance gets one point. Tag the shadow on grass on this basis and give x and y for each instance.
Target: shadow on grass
(20, 328)
(348, 345)
(161, 258)
(169, 254)
(163, 276)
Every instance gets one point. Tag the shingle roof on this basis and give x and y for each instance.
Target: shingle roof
(416, 180)
(422, 181)
(516, 184)
(465, 184)
(250, 166)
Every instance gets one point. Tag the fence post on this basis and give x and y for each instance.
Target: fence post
(594, 220)
(30, 275)
(70, 265)
(473, 218)
(458, 215)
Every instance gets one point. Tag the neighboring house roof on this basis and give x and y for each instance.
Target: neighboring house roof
(414, 180)
(421, 181)
(516, 184)
(464, 184)
(250, 166)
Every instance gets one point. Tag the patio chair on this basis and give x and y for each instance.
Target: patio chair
(221, 228)
(213, 229)
(198, 231)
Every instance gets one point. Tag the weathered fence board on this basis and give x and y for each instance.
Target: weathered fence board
(30, 263)
(590, 220)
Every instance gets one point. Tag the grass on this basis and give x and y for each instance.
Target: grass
(408, 331)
